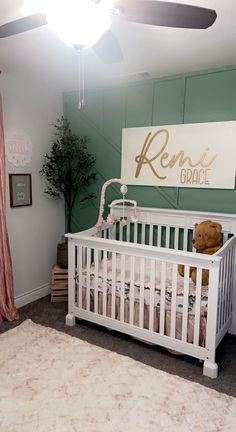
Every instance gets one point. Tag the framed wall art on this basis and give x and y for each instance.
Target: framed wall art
(20, 190)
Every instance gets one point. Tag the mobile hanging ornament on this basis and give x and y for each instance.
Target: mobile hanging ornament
(110, 218)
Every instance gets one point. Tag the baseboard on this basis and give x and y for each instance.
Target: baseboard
(35, 294)
(232, 331)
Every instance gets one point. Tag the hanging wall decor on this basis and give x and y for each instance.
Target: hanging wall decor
(18, 148)
(199, 155)
(20, 190)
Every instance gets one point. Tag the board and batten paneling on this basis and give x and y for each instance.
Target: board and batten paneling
(210, 97)
(168, 107)
(138, 105)
(193, 98)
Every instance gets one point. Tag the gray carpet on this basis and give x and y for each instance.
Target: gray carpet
(53, 315)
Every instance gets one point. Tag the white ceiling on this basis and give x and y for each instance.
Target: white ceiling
(160, 51)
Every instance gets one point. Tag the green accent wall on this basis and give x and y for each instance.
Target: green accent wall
(195, 98)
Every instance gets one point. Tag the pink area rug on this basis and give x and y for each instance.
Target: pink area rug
(52, 382)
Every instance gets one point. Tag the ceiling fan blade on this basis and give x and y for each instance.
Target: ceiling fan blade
(166, 14)
(108, 49)
(23, 24)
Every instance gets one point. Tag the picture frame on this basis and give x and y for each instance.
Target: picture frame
(20, 188)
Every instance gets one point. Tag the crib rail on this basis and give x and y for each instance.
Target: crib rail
(168, 228)
(225, 287)
(126, 278)
(94, 261)
(167, 236)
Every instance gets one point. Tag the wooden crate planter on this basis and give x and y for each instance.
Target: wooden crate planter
(59, 284)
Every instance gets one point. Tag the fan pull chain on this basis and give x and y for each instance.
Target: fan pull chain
(82, 58)
(81, 101)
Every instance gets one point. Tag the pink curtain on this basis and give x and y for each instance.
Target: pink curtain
(7, 307)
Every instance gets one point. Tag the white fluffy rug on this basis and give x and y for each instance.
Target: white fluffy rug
(51, 382)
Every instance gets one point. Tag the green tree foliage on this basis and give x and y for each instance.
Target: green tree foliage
(67, 167)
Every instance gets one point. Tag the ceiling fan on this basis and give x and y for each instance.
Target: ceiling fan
(151, 12)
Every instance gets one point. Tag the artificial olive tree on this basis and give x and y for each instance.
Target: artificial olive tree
(67, 167)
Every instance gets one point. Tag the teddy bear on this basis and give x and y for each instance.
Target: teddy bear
(206, 240)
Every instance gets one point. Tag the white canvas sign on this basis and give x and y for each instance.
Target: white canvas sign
(200, 155)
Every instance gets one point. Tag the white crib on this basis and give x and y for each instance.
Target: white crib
(160, 240)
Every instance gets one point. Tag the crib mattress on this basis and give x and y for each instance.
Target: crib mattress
(147, 284)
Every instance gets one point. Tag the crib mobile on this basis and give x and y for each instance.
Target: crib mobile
(110, 218)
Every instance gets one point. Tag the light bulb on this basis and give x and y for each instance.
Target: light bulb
(79, 23)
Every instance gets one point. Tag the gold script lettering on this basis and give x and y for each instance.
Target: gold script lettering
(142, 158)
(166, 160)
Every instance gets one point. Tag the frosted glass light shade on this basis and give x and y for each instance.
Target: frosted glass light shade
(78, 22)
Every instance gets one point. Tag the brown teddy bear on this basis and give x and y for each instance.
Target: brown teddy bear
(206, 240)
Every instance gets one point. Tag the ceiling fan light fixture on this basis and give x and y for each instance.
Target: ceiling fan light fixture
(117, 10)
(78, 23)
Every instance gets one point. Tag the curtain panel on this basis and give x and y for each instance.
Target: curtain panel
(8, 310)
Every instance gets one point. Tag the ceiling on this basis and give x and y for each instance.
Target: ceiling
(156, 51)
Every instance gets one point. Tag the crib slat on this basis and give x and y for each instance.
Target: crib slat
(197, 307)
(225, 284)
(185, 240)
(159, 236)
(225, 237)
(113, 288)
(122, 293)
(80, 269)
(113, 232)
(230, 290)
(141, 294)
(104, 284)
(84, 256)
(228, 285)
(162, 302)
(167, 242)
(143, 234)
(229, 281)
(185, 304)
(218, 324)
(173, 300)
(135, 233)
(176, 242)
(230, 272)
(128, 232)
(131, 306)
(96, 281)
(121, 232)
(150, 235)
(88, 279)
(72, 286)
(152, 296)
(232, 279)
(220, 295)
(99, 252)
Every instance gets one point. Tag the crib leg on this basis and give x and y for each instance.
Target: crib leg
(70, 319)
(210, 369)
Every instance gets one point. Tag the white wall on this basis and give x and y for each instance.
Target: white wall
(35, 230)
